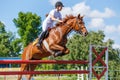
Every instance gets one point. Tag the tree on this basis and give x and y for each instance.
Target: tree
(28, 25)
(2, 27)
(6, 40)
(3, 40)
(79, 49)
(15, 47)
(79, 46)
(114, 64)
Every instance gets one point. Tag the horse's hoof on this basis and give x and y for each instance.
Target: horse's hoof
(67, 51)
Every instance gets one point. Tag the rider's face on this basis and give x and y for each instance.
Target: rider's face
(59, 8)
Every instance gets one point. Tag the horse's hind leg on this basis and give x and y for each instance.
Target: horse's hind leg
(31, 67)
(22, 68)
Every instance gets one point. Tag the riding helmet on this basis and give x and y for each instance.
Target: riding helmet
(59, 4)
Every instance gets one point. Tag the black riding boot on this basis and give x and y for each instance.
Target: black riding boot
(41, 38)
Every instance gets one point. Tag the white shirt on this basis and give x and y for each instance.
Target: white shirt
(48, 22)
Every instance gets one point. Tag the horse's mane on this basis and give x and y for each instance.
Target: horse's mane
(65, 20)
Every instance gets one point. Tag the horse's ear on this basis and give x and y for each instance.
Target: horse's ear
(78, 15)
(82, 16)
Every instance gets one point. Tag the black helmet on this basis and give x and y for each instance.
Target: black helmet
(59, 4)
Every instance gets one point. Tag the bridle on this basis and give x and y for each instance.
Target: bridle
(79, 25)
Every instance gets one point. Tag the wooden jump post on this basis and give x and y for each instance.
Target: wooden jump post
(98, 58)
(90, 62)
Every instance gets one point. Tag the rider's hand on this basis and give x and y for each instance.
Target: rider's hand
(49, 28)
(59, 20)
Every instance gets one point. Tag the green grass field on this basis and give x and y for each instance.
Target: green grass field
(39, 78)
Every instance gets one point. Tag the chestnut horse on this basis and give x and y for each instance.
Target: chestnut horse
(55, 41)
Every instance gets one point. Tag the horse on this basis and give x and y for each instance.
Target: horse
(54, 42)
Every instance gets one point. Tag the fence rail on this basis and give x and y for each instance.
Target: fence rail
(44, 72)
(43, 62)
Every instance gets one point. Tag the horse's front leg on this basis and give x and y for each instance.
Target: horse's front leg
(60, 49)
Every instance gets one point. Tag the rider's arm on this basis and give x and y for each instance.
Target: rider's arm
(53, 18)
(51, 14)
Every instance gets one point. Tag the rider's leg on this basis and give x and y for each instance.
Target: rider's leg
(41, 38)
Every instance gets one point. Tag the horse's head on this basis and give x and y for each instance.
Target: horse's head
(79, 26)
(75, 23)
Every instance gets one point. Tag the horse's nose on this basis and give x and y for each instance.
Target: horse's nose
(86, 33)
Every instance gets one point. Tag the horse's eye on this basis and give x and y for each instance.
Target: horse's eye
(80, 22)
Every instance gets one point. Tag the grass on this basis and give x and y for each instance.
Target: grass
(8, 77)
(40, 78)
(54, 78)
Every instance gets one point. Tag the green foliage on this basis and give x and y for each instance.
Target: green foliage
(79, 45)
(15, 47)
(2, 27)
(114, 64)
(28, 25)
(6, 40)
(55, 77)
(79, 49)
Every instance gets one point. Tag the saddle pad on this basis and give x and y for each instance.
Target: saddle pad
(35, 42)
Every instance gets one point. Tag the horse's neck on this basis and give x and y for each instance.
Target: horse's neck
(65, 29)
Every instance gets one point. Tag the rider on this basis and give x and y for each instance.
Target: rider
(53, 16)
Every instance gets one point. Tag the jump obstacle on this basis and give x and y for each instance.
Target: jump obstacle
(91, 63)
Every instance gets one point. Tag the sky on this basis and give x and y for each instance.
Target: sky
(99, 14)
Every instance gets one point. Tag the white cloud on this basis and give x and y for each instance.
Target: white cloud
(97, 23)
(118, 29)
(84, 9)
(106, 14)
(116, 46)
(2, 22)
(110, 29)
(81, 8)
(113, 32)
(106, 38)
(53, 1)
(96, 18)
(66, 11)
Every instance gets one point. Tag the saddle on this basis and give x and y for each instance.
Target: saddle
(45, 36)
